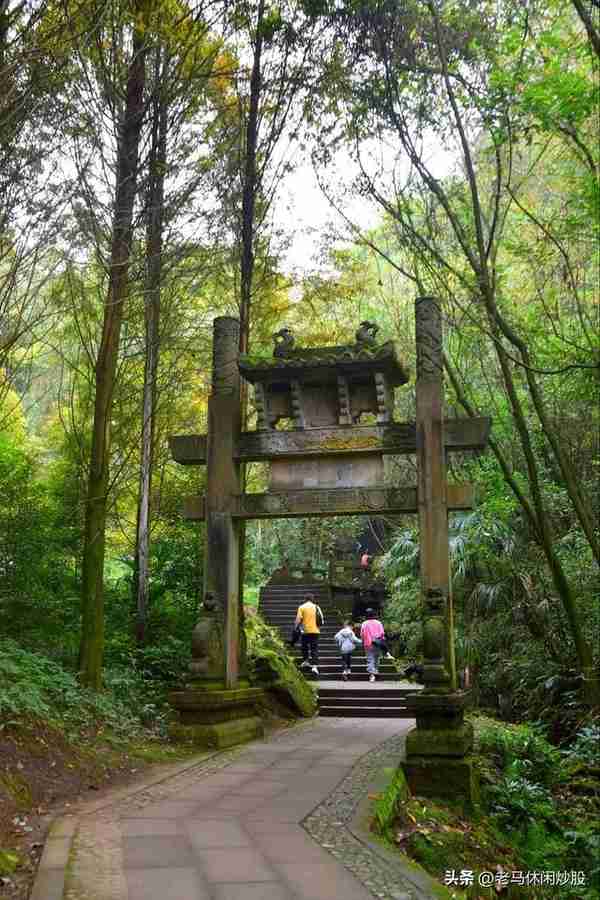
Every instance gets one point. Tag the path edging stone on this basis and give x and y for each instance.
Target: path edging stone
(424, 885)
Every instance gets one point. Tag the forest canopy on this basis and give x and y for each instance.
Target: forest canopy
(145, 148)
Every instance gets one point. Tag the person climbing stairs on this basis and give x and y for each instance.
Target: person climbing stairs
(386, 697)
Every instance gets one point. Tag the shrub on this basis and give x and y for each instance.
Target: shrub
(518, 802)
(522, 751)
(586, 746)
(35, 687)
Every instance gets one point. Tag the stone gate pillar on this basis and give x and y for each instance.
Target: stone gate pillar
(218, 707)
(438, 761)
(221, 561)
(440, 670)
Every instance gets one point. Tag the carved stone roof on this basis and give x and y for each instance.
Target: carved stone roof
(350, 359)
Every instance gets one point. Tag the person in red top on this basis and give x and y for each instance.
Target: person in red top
(365, 561)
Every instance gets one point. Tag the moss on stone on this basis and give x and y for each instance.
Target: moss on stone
(9, 860)
(272, 668)
(440, 741)
(218, 735)
(352, 442)
(455, 779)
(385, 807)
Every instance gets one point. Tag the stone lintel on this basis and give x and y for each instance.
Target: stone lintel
(395, 438)
(308, 502)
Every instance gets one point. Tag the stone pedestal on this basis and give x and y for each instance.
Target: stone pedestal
(215, 717)
(438, 751)
(446, 778)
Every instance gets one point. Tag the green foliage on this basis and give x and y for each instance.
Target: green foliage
(251, 595)
(272, 542)
(528, 794)
(510, 628)
(8, 861)
(583, 850)
(38, 583)
(518, 802)
(35, 687)
(520, 751)
(586, 746)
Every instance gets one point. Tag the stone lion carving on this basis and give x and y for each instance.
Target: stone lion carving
(367, 333)
(284, 342)
(207, 642)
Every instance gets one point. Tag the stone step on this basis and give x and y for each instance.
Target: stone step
(330, 660)
(289, 599)
(378, 698)
(297, 586)
(329, 646)
(286, 622)
(329, 628)
(336, 672)
(330, 625)
(282, 618)
(336, 659)
(309, 586)
(355, 676)
(351, 692)
(291, 610)
(328, 631)
(280, 595)
(279, 599)
(284, 609)
(358, 665)
(366, 712)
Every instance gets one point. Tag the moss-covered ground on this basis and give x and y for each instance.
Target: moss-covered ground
(539, 813)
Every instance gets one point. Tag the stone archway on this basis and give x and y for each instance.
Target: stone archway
(327, 465)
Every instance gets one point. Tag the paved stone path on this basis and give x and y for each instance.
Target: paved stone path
(229, 827)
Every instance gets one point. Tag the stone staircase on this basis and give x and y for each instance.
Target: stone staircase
(356, 697)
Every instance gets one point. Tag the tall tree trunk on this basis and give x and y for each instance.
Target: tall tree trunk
(250, 185)
(92, 637)
(247, 250)
(587, 17)
(154, 241)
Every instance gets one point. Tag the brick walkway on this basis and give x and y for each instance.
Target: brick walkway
(228, 828)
